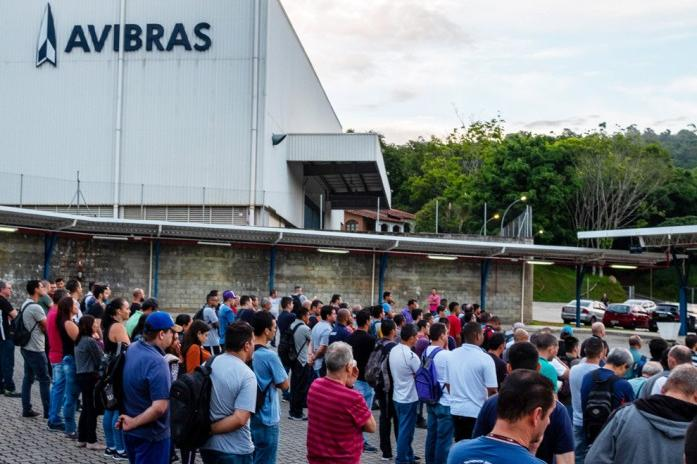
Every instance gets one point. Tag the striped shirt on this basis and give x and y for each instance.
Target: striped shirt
(336, 416)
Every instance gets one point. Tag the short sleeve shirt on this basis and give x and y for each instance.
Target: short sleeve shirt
(339, 334)
(336, 416)
(234, 387)
(320, 337)
(576, 376)
(226, 317)
(6, 309)
(146, 379)
(302, 338)
(210, 318)
(455, 325)
(441, 362)
(32, 316)
(471, 372)
(270, 372)
(558, 437)
(487, 450)
(403, 366)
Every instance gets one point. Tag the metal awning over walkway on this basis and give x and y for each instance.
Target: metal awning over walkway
(500, 250)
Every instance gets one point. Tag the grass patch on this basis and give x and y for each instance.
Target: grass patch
(558, 284)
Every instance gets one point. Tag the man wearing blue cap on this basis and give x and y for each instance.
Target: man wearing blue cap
(146, 383)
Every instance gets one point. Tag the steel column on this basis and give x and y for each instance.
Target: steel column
(580, 275)
(156, 270)
(683, 276)
(484, 278)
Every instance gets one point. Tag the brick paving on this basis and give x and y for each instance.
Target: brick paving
(29, 440)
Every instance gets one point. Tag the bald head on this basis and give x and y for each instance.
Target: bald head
(679, 355)
(343, 316)
(598, 329)
(521, 335)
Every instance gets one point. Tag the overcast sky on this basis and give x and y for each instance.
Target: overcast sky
(408, 68)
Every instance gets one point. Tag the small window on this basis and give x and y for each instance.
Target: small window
(384, 228)
(407, 227)
(351, 226)
(395, 229)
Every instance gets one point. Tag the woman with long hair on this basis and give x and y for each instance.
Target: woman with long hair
(88, 358)
(68, 331)
(115, 340)
(194, 354)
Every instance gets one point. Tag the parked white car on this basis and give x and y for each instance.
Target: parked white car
(648, 305)
(591, 311)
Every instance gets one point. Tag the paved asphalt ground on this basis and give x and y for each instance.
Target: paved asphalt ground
(29, 441)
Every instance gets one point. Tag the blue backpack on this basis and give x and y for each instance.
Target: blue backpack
(426, 379)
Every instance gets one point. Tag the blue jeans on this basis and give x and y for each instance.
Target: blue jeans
(406, 414)
(217, 457)
(265, 438)
(7, 365)
(439, 436)
(368, 394)
(141, 451)
(35, 368)
(57, 394)
(112, 436)
(581, 446)
(72, 391)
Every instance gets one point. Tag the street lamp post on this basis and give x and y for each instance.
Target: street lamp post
(503, 218)
(482, 231)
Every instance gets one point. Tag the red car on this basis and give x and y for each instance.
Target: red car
(629, 317)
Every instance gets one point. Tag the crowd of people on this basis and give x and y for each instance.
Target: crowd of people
(483, 394)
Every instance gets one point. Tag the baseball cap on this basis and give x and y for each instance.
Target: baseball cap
(227, 294)
(161, 321)
(567, 329)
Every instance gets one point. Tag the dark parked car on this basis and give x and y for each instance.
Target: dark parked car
(670, 312)
(627, 316)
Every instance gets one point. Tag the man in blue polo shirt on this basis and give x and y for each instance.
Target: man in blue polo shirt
(525, 402)
(558, 440)
(146, 383)
(270, 376)
(340, 333)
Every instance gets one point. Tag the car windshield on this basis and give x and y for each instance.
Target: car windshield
(667, 308)
(583, 303)
(619, 308)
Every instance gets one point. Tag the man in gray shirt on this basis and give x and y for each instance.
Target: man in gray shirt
(301, 374)
(233, 399)
(320, 338)
(210, 317)
(33, 353)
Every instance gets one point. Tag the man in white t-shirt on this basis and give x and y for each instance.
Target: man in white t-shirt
(403, 364)
(439, 436)
(472, 375)
(594, 352)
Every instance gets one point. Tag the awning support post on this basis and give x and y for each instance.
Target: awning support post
(484, 279)
(272, 269)
(683, 275)
(580, 275)
(156, 270)
(49, 245)
(381, 276)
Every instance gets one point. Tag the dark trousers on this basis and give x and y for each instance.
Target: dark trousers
(188, 456)
(300, 379)
(87, 426)
(7, 365)
(464, 426)
(35, 368)
(388, 418)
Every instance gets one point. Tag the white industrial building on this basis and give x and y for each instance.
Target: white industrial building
(201, 111)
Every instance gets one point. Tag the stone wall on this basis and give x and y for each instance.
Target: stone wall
(188, 272)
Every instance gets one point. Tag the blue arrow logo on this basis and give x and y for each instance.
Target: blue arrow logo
(46, 45)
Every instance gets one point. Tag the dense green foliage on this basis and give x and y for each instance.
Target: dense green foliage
(558, 284)
(572, 181)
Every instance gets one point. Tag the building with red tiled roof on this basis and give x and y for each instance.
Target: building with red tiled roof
(367, 220)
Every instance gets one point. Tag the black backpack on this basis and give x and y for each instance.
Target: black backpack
(22, 335)
(599, 406)
(286, 347)
(109, 388)
(190, 405)
(199, 314)
(377, 369)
